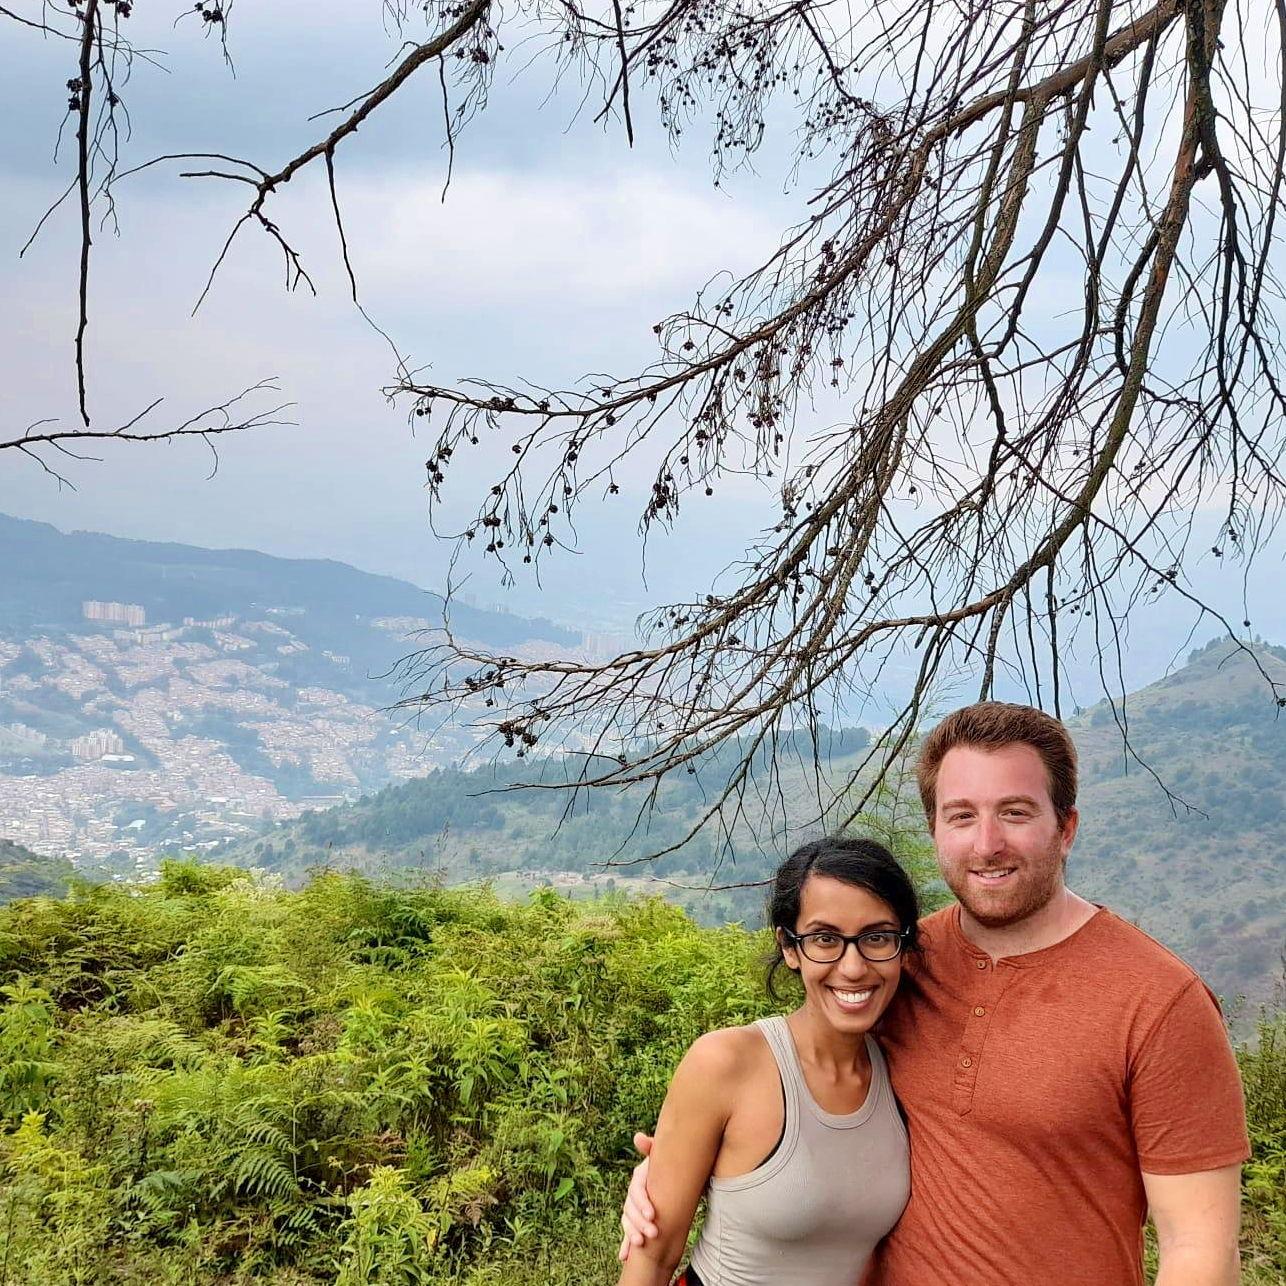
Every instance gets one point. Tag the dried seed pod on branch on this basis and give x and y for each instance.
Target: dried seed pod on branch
(1026, 203)
(1040, 274)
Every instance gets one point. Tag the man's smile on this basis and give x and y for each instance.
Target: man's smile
(994, 874)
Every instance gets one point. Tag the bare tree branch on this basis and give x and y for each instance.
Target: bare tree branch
(84, 96)
(1022, 347)
(207, 424)
(985, 473)
(468, 17)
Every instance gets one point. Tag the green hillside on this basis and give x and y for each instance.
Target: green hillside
(24, 874)
(471, 825)
(1204, 872)
(1205, 875)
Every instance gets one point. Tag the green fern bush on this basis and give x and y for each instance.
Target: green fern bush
(210, 1079)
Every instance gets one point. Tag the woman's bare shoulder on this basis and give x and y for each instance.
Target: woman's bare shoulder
(727, 1054)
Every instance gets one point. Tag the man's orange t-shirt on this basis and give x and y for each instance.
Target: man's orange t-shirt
(1036, 1089)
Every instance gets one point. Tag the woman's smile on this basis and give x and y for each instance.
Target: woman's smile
(853, 1000)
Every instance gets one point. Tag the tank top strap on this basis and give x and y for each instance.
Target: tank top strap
(879, 1065)
(881, 1091)
(779, 1040)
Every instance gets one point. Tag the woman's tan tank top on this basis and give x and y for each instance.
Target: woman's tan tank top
(811, 1214)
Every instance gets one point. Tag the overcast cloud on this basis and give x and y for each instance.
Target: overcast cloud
(554, 252)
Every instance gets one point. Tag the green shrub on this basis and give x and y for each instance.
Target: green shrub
(389, 1238)
(211, 1079)
(1263, 1072)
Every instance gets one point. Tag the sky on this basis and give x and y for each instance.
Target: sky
(556, 249)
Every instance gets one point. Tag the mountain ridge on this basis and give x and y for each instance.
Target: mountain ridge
(1204, 880)
(1202, 869)
(49, 569)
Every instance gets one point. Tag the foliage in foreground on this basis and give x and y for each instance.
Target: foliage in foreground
(211, 1079)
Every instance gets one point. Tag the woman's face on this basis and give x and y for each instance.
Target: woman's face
(853, 992)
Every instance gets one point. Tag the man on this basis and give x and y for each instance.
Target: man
(1062, 1074)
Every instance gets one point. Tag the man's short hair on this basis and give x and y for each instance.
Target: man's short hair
(992, 725)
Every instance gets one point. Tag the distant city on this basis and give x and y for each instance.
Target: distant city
(149, 685)
(188, 738)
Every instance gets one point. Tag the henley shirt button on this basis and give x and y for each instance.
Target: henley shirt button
(982, 964)
(966, 1062)
(979, 1011)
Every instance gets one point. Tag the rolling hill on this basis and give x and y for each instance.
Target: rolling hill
(1203, 868)
(480, 824)
(24, 874)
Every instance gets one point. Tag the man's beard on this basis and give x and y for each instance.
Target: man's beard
(1033, 889)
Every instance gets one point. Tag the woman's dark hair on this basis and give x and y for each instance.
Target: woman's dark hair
(860, 862)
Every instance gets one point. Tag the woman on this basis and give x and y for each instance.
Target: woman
(789, 1125)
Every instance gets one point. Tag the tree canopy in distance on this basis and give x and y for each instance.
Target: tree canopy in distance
(1023, 203)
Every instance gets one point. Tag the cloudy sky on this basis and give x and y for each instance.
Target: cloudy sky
(555, 251)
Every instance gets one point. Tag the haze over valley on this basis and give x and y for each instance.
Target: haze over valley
(158, 699)
(160, 696)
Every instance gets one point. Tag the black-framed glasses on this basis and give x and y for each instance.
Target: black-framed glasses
(875, 945)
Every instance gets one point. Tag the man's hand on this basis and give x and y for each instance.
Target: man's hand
(638, 1214)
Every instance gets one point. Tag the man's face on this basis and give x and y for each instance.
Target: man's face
(1000, 845)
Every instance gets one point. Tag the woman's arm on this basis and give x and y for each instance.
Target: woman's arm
(688, 1136)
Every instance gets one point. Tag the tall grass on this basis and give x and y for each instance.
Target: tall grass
(212, 1080)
